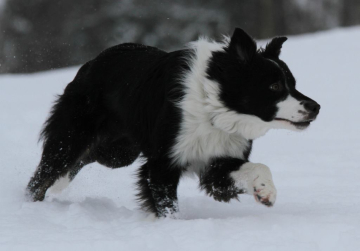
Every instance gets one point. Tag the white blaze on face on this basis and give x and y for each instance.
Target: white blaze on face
(291, 109)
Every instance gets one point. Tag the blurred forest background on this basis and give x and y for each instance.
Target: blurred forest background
(38, 35)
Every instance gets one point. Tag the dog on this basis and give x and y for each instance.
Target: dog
(193, 110)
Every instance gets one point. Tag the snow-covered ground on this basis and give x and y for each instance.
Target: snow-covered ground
(316, 172)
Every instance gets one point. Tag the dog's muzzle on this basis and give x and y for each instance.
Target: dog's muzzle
(312, 108)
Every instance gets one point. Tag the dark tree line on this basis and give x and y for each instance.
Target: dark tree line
(46, 34)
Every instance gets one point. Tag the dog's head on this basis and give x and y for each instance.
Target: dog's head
(258, 86)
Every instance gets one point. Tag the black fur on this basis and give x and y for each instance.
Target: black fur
(236, 91)
(123, 103)
(215, 178)
(216, 181)
(113, 110)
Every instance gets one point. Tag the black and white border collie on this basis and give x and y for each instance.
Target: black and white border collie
(193, 110)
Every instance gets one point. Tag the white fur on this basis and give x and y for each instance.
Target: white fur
(291, 109)
(255, 179)
(199, 140)
(60, 184)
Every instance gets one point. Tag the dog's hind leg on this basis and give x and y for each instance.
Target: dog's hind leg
(68, 140)
(62, 182)
(60, 159)
(158, 182)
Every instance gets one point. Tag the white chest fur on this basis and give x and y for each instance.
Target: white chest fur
(199, 139)
(199, 142)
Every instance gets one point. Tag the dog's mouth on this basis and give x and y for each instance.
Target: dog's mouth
(298, 125)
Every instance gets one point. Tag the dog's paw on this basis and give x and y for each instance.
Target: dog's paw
(256, 179)
(264, 191)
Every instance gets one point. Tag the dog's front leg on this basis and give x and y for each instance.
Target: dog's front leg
(215, 179)
(158, 181)
(225, 178)
(256, 179)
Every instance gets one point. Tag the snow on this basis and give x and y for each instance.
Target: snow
(316, 174)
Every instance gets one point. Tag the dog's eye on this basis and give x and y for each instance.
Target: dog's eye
(275, 87)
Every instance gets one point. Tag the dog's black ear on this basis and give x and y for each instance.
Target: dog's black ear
(243, 45)
(273, 49)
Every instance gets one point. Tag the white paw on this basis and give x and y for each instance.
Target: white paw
(256, 179)
(60, 184)
(264, 190)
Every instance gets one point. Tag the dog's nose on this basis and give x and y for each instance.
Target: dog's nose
(312, 107)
